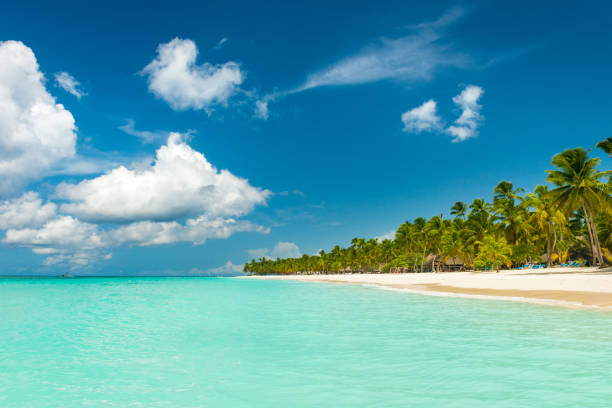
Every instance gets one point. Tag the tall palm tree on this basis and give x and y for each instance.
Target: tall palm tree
(434, 229)
(606, 145)
(546, 217)
(505, 191)
(578, 186)
(510, 214)
(453, 243)
(421, 237)
(478, 206)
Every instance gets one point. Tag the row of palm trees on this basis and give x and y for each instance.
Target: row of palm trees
(571, 220)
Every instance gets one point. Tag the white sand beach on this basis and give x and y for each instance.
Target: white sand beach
(569, 287)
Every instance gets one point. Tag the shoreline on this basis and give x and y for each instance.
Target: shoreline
(584, 288)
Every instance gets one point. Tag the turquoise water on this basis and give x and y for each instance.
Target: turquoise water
(202, 342)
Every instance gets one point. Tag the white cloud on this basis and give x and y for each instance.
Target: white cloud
(285, 250)
(174, 77)
(292, 192)
(69, 84)
(410, 58)
(221, 43)
(180, 197)
(280, 250)
(387, 235)
(229, 269)
(422, 118)
(258, 253)
(35, 131)
(261, 109)
(64, 239)
(195, 230)
(145, 136)
(25, 211)
(467, 125)
(179, 183)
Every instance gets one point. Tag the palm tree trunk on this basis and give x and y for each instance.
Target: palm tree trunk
(548, 252)
(596, 247)
(597, 244)
(554, 230)
(588, 225)
(423, 259)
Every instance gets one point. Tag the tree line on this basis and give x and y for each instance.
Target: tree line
(569, 221)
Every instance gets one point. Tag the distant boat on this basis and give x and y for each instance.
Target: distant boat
(67, 275)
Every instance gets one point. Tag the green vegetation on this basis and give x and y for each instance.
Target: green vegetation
(573, 220)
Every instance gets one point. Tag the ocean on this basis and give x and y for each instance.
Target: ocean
(223, 342)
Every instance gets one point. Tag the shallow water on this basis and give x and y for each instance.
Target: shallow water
(214, 342)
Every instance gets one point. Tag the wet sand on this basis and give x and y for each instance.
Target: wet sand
(569, 287)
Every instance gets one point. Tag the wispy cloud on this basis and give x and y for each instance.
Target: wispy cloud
(145, 136)
(292, 192)
(449, 17)
(228, 269)
(414, 57)
(221, 44)
(69, 84)
(410, 58)
(261, 109)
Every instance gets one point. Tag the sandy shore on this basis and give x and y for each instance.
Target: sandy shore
(569, 287)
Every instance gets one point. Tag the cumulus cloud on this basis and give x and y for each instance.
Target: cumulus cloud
(179, 183)
(466, 126)
(64, 239)
(422, 118)
(286, 250)
(425, 117)
(175, 77)
(69, 84)
(35, 131)
(25, 211)
(387, 235)
(179, 197)
(145, 136)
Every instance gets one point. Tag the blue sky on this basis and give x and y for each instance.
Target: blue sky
(318, 113)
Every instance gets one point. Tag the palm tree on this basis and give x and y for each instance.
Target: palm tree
(578, 185)
(511, 215)
(459, 209)
(505, 191)
(434, 229)
(420, 234)
(479, 206)
(545, 217)
(606, 145)
(495, 250)
(453, 243)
